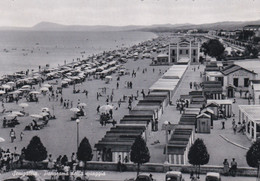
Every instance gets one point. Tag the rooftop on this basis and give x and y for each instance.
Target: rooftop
(252, 111)
(232, 68)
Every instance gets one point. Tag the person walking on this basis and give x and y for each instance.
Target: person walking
(12, 135)
(233, 123)
(21, 136)
(223, 123)
(235, 129)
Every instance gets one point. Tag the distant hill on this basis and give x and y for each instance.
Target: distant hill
(227, 25)
(48, 26)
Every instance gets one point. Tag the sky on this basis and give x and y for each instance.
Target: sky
(27, 13)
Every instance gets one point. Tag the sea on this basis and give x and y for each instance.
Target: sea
(22, 50)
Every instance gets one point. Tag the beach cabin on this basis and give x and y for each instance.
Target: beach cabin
(209, 112)
(116, 144)
(163, 94)
(179, 144)
(224, 107)
(213, 90)
(188, 119)
(203, 123)
(160, 99)
(250, 114)
(214, 76)
(156, 108)
(154, 122)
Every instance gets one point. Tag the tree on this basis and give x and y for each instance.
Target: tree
(198, 154)
(213, 48)
(35, 151)
(139, 153)
(84, 152)
(251, 51)
(204, 49)
(253, 155)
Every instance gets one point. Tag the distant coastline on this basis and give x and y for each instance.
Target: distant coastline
(22, 50)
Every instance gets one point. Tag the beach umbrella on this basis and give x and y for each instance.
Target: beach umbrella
(23, 105)
(11, 115)
(36, 116)
(64, 82)
(26, 87)
(10, 83)
(2, 92)
(44, 114)
(34, 92)
(17, 113)
(6, 86)
(44, 89)
(74, 109)
(46, 85)
(108, 77)
(82, 104)
(2, 139)
(105, 108)
(15, 92)
(45, 109)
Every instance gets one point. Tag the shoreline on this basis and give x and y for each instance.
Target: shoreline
(75, 55)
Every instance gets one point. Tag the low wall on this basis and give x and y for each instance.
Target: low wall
(151, 167)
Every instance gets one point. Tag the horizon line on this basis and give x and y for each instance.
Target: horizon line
(125, 25)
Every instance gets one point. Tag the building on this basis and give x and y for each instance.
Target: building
(250, 115)
(254, 28)
(254, 90)
(237, 76)
(184, 51)
(162, 59)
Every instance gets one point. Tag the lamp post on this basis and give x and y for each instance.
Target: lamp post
(166, 123)
(77, 121)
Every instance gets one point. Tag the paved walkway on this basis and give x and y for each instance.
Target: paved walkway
(218, 148)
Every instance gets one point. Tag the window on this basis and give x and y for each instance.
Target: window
(187, 51)
(173, 52)
(180, 51)
(194, 59)
(246, 82)
(173, 59)
(235, 82)
(194, 52)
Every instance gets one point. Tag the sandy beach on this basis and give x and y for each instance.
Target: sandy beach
(59, 136)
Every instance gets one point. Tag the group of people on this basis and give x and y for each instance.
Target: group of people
(181, 104)
(12, 135)
(9, 160)
(230, 170)
(195, 85)
(239, 127)
(129, 84)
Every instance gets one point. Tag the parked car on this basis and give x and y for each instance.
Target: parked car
(213, 176)
(173, 176)
(144, 177)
